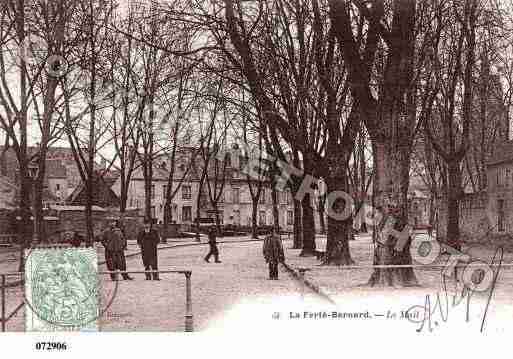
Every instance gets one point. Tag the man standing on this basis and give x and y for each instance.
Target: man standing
(115, 244)
(273, 253)
(148, 239)
(212, 242)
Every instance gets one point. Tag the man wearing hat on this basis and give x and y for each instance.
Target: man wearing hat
(212, 242)
(148, 239)
(115, 244)
(273, 253)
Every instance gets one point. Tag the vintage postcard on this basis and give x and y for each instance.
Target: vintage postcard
(238, 167)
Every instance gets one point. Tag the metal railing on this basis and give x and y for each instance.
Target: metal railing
(189, 318)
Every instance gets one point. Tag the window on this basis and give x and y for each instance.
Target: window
(502, 176)
(261, 218)
(290, 218)
(152, 211)
(186, 213)
(57, 187)
(152, 195)
(261, 200)
(289, 197)
(236, 195)
(186, 192)
(164, 192)
(283, 197)
(500, 214)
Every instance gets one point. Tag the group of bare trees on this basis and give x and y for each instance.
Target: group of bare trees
(353, 93)
(320, 71)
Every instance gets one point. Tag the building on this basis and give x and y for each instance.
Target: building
(488, 213)
(235, 204)
(8, 192)
(62, 175)
(103, 195)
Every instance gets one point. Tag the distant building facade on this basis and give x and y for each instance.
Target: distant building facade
(62, 175)
(235, 204)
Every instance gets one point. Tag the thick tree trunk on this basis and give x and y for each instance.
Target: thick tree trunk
(276, 212)
(217, 219)
(298, 226)
(37, 208)
(24, 225)
(147, 194)
(254, 219)
(391, 185)
(168, 215)
(339, 229)
(89, 213)
(322, 223)
(453, 210)
(198, 206)
(123, 196)
(308, 232)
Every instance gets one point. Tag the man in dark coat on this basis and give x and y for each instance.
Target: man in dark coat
(148, 239)
(212, 242)
(273, 253)
(115, 244)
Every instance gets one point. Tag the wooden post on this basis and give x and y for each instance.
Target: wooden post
(189, 323)
(3, 302)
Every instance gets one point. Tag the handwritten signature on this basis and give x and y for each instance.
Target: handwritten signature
(442, 301)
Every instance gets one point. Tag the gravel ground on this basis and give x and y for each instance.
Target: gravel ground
(231, 294)
(349, 290)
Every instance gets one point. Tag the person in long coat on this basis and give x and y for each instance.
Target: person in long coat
(115, 244)
(273, 253)
(148, 239)
(212, 242)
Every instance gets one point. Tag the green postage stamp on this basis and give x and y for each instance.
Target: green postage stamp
(61, 290)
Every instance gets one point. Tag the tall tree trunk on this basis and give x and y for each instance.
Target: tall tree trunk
(298, 225)
(147, 199)
(24, 225)
(217, 219)
(453, 210)
(276, 212)
(308, 232)
(89, 212)
(339, 229)
(123, 196)
(198, 204)
(391, 184)
(322, 223)
(37, 209)
(254, 219)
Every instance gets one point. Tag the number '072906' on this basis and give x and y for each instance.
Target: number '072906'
(51, 346)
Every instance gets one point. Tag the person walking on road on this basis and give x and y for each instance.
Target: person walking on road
(115, 244)
(212, 242)
(273, 253)
(148, 239)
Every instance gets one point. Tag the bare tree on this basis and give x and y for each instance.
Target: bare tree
(36, 36)
(453, 63)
